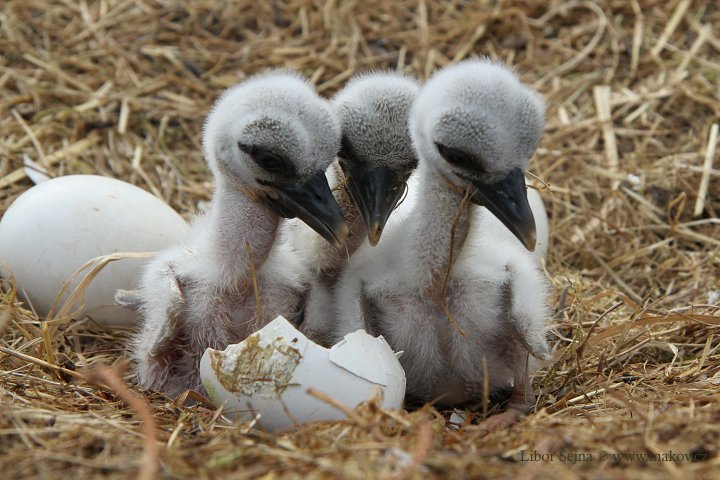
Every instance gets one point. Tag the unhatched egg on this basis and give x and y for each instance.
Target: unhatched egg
(52, 229)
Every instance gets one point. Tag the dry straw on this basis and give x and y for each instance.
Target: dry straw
(120, 88)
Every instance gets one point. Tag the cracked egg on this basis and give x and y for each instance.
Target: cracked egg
(271, 371)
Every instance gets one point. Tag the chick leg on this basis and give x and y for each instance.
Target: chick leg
(161, 347)
(520, 403)
(157, 347)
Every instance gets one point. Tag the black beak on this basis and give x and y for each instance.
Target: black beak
(507, 200)
(376, 193)
(313, 203)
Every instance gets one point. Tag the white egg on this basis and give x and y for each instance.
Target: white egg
(270, 372)
(55, 227)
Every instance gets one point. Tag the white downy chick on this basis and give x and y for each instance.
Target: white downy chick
(474, 126)
(268, 142)
(369, 178)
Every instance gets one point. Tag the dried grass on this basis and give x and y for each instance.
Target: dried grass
(120, 88)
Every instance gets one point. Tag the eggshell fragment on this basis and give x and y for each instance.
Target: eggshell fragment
(54, 228)
(270, 372)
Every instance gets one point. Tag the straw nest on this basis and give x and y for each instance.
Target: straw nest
(120, 88)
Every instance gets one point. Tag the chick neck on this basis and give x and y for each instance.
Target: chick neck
(240, 229)
(439, 225)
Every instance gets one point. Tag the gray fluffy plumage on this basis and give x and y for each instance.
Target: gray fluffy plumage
(495, 290)
(200, 294)
(373, 110)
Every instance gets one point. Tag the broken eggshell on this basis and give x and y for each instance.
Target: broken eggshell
(270, 372)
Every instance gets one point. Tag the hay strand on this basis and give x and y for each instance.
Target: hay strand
(706, 169)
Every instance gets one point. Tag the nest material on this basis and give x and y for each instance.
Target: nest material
(120, 88)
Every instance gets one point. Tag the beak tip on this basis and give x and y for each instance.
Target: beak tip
(376, 193)
(531, 242)
(374, 233)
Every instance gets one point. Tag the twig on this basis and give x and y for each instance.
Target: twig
(681, 70)
(31, 134)
(111, 378)
(61, 154)
(602, 104)
(707, 167)
(653, 320)
(443, 294)
(337, 404)
(76, 299)
(637, 37)
(678, 14)
(43, 363)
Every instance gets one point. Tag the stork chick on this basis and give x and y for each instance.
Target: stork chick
(267, 141)
(369, 177)
(465, 304)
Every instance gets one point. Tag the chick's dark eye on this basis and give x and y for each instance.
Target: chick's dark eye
(266, 159)
(270, 162)
(456, 157)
